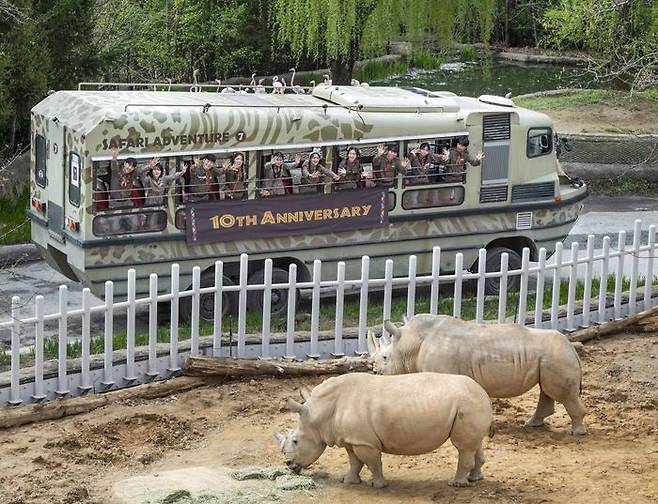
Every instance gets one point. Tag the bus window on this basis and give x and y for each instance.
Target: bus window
(434, 197)
(280, 173)
(540, 142)
(129, 223)
(40, 160)
(74, 179)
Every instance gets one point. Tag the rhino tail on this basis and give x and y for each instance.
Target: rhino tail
(492, 430)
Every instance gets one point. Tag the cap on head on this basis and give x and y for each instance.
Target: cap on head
(209, 157)
(393, 148)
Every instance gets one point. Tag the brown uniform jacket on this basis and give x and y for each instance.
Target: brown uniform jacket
(456, 165)
(122, 186)
(313, 184)
(201, 183)
(419, 168)
(273, 178)
(352, 176)
(385, 171)
(156, 189)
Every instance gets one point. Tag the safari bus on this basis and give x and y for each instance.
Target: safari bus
(518, 196)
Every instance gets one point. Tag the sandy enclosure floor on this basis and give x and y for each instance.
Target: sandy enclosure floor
(79, 459)
(603, 119)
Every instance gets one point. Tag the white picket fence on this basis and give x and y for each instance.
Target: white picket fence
(45, 380)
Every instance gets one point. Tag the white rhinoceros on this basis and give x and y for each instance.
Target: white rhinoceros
(506, 359)
(402, 415)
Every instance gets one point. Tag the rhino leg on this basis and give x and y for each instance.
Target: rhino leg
(352, 476)
(577, 411)
(545, 408)
(465, 464)
(476, 472)
(372, 457)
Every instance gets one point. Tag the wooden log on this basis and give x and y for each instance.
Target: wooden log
(235, 368)
(612, 327)
(13, 416)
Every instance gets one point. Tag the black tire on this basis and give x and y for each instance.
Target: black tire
(492, 285)
(279, 296)
(207, 301)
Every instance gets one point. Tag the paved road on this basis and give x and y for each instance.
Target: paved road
(29, 279)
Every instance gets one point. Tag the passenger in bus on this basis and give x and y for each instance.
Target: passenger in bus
(421, 160)
(124, 182)
(456, 158)
(235, 185)
(155, 183)
(386, 165)
(275, 173)
(350, 172)
(203, 178)
(313, 171)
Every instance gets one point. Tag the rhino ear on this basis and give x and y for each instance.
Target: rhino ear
(373, 346)
(294, 406)
(279, 439)
(305, 393)
(392, 329)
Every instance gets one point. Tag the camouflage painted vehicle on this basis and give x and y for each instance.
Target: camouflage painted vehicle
(518, 197)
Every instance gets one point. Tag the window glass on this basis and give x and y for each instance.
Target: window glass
(129, 223)
(434, 197)
(40, 160)
(390, 201)
(75, 167)
(540, 142)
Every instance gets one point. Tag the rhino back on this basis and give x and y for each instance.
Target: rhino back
(403, 414)
(505, 359)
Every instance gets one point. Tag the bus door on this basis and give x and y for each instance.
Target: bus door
(495, 165)
(55, 169)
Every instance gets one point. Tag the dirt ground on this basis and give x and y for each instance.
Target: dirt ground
(603, 119)
(79, 459)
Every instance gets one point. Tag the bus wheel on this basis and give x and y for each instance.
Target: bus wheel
(207, 301)
(279, 304)
(492, 285)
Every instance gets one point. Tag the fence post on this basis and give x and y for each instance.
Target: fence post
(153, 326)
(15, 392)
(108, 371)
(315, 309)
(217, 312)
(523, 290)
(482, 268)
(388, 292)
(587, 293)
(340, 296)
(457, 295)
(362, 347)
(436, 271)
(573, 280)
(603, 287)
(267, 310)
(648, 285)
(619, 277)
(173, 328)
(196, 301)
(502, 295)
(292, 298)
(539, 299)
(242, 305)
(555, 300)
(62, 378)
(632, 291)
(130, 339)
(411, 288)
(39, 393)
(85, 361)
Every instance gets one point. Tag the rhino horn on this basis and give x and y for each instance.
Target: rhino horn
(373, 346)
(294, 406)
(392, 329)
(279, 439)
(305, 393)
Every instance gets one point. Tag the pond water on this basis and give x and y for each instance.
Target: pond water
(498, 78)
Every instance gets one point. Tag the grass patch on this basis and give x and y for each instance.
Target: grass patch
(376, 70)
(254, 321)
(634, 102)
(14, 224)
(467, 53)
(426, 60)
(623, 185)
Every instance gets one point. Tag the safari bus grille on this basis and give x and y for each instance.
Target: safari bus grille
(496, 127)
(526, 192)
(491, 194)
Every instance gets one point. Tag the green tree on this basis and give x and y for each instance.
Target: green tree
(340, 31)
(621, 35)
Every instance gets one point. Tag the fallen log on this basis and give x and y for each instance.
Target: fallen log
(223, 367)
(611, 327)
(13, 416)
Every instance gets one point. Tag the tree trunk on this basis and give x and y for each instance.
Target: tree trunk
(237, 368)
(341, 72)
(611, 327)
